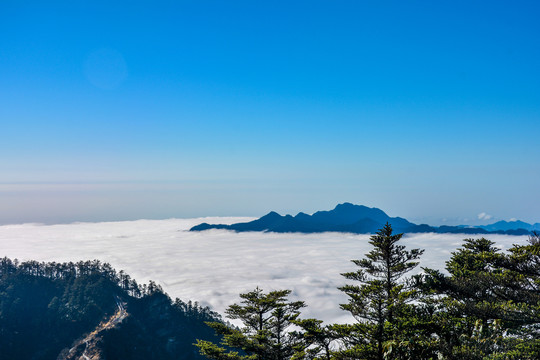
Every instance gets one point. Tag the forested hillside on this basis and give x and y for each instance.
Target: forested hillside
(46, 307)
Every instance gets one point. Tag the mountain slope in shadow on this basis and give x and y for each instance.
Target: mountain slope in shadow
(346, 217)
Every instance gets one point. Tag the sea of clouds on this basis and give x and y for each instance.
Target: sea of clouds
(213, 267)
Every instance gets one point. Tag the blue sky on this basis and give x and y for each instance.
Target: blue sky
(428, 110)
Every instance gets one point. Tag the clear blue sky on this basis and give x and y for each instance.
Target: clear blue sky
(120, 110)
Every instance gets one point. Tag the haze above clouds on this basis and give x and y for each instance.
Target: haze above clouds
(213, 267)
(117, 110)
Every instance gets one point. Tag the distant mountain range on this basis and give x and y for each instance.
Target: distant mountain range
(510, 225)
(359, 219)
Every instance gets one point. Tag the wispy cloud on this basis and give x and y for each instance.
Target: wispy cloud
(213, 267)
(484, 216)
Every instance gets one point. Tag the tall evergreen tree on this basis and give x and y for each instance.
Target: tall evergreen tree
(465, 313)
(490, 303)
(266, 318)
(317, 339)
(381, 298)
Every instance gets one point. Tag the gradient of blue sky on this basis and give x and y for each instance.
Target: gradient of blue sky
(428, 110)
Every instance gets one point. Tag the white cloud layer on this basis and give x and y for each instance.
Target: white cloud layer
(213, 267)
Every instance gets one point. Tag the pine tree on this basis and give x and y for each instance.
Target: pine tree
(317, 339)
(382, 296)
(266, 318)
(490, 302)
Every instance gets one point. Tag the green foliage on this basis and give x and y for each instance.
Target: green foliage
(380, 302)
(266, 318)
(49, 303)
(45, 307)
(317, 339)
(488, 307)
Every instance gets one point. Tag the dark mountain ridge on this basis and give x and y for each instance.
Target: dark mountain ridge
(510, 225)
(350, 218)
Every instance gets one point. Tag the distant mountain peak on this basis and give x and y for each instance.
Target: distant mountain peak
(347, 217)
(510, 225)
(270, 215)
(346, 205)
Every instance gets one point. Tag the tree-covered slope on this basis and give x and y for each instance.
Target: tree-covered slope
(47, 308)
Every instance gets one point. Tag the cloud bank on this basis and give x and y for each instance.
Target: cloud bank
(213, 267)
